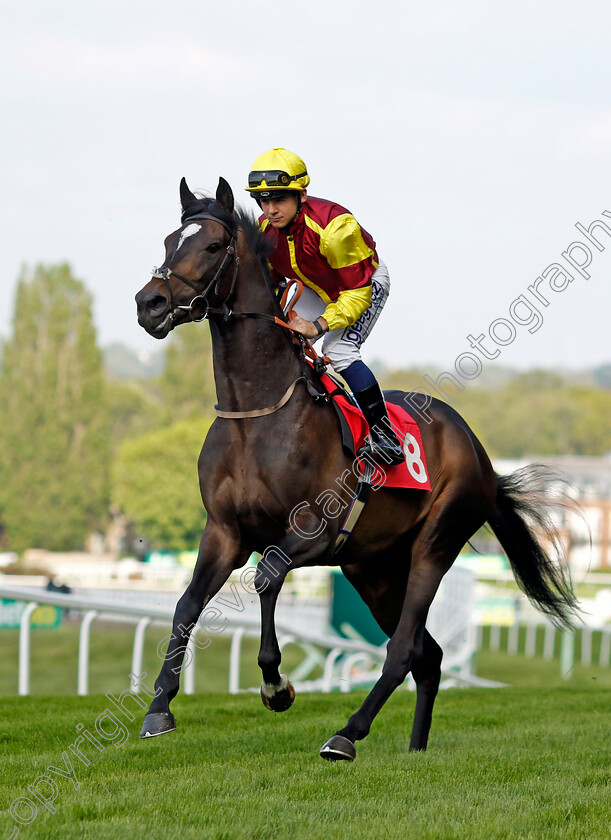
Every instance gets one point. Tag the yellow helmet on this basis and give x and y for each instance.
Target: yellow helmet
(276, 171)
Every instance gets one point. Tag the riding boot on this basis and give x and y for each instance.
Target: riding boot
(384, 446)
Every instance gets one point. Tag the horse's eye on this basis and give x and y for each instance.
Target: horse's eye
(213, 247)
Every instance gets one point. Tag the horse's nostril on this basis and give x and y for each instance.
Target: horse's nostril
(156, 304)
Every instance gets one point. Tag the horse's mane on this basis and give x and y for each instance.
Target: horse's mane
(259, 243)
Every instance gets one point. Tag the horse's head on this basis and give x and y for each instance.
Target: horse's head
(195, 277)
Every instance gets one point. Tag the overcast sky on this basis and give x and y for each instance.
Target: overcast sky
(468, 138)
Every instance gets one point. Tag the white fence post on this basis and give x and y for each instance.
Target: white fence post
(548, 644)
(586, 646)
(605, 648)
(189, 668)
(24, 649)
(139, 650)
(83, 654)
(234, 660)
(514, 635)
(531, 639)
(567, 653)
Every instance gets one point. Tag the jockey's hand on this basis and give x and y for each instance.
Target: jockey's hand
(308, 328)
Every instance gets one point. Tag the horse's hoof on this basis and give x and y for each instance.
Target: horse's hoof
(157, 723)
(338, 748)
(278, 698)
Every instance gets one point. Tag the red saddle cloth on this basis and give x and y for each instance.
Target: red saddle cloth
(413, 474)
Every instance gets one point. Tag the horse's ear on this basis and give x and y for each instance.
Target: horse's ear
(224, 195)
(186, 196)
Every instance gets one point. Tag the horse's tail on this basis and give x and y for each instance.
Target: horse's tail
(538, 562)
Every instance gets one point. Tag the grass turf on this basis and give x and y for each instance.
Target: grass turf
(508, 763)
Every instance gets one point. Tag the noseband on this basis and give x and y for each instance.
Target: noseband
(200, 301)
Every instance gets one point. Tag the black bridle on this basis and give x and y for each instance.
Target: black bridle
(200, 301)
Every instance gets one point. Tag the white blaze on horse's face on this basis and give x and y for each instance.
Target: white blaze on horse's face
(190, 230)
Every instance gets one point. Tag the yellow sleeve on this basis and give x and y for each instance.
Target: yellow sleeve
(348, 307)
(342, 243)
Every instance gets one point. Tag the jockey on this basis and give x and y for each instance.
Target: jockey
(345, 284)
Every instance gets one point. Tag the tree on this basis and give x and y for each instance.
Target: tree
(187, 382)
(533, 414)
(155, 477)
(53, 419)
(155, 484)
(537, 414)
(133, 409)
(602, 376)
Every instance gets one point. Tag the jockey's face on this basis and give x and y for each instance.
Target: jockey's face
(281, 211)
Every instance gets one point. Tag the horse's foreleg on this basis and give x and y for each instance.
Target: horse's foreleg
(218, 557)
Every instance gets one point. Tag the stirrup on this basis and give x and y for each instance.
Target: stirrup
(384, 452)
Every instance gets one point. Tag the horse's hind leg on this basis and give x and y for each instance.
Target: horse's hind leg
(404, 650)
(218, 556)
(427, 674)
(292, 552)
(277, 693)
(434, 550)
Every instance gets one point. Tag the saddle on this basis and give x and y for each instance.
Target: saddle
(410, 475)
(323, 387)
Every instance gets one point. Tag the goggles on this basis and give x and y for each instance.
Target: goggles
(272, 178)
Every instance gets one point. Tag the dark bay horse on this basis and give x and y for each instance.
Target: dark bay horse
(263, 480)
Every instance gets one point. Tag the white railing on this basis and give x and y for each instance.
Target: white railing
(345, 663)
(525, 637)
(143, 617)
